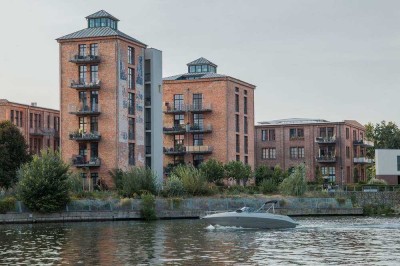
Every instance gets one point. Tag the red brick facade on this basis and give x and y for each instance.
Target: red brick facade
(99, 139)
(334, 148)
(40, 126)
(219, 128)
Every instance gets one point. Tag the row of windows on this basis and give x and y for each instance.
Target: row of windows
(202, 69)
(362, 152)
(246, 144)
(237, 105)
(246, 159)
(245, 124)
(83, 124)
(17, 119)
(179, 102)
(102, 22)
(270, 153)
(294, 133)
(198, 140)
(94, 49)
(94, 74)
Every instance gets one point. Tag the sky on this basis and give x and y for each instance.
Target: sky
(329, 59)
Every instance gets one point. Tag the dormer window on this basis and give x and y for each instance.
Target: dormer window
(102, 22)
(202, 65)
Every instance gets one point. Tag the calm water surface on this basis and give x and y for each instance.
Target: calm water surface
(317, 241)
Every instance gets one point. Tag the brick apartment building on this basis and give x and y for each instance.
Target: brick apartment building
(337, 150)
(110, 89)
(207, 115)
(40, 126)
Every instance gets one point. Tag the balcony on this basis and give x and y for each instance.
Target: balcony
(326, 159)
(179, 129)
(178, 150)
(363, 143)
(325, 140)
(37, 131)
(90, 136)
(199, 149)
(200, 129)
(200, 108)
(172, 109)
(83, 110)
(81, 85)
(85, 59)
(80, 162)
(363, 160)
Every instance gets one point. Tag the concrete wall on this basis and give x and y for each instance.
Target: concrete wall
(155, 57)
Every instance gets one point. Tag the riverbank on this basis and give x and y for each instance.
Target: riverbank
(178, 208)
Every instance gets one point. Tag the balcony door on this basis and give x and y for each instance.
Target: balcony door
(197, 101)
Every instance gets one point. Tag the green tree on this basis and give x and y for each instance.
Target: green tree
(193, 181)
(238, 171)
(13, 153)
(384, 135)
(44, 183)
(261, 173)
(296, 183)
(212, 170)
(135, 181)
(279, 174)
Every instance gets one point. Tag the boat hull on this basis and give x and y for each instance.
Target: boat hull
(251, 220)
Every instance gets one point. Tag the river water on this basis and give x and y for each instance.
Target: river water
(317, 241)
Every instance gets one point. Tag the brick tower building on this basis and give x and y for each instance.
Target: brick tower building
(110, 88)
(207, 115)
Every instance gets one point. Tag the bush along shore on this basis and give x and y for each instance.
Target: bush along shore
(47, 186)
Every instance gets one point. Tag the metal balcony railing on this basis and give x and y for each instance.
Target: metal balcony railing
(174, 109)
(364, 143)
(37, 131)
(90, 136)
(177, 150)
(326, 159)
(85, 85)
(176, 129)
(200, 107)
(82, 109)
(199, 149)
(325, 140)
(200, 129)
(80, 161)
(85, 59)
(363, 160)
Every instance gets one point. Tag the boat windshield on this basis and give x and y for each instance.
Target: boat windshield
(245, 209)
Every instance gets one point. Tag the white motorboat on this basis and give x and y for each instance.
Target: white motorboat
(248, 218)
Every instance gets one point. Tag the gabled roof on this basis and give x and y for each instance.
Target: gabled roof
(201, 61)
(98, 32)
(102, 14)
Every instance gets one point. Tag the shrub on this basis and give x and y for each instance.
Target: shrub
(137, 180)
(117, 175)
(295, 184)
(238, 170)
(7, 204)
(212, 170)
(43, 185)
(75, 183)
(376, 181)
(148, 210)
(174, 187)
(193, 181)
(263, 172)
(268, 186)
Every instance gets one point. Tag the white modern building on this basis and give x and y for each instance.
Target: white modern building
(387, 163)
